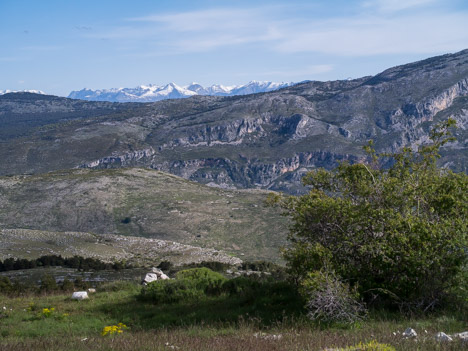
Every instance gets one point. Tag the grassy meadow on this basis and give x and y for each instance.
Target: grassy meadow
(275, 321)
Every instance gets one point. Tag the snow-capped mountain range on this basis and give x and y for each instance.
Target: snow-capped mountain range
(150, 93)
(2, 92)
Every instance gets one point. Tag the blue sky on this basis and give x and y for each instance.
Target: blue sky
(63, 45)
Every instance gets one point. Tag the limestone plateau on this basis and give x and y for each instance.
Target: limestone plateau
(267, 140)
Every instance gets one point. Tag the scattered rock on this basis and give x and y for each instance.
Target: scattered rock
(173, 347)
(462, 336)
(80, 295)
(410, 333)
(91, 290)
(442, 337)
(265, 336)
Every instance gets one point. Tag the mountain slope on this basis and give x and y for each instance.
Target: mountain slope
(144, 203)
(265, 140)
(31, 244)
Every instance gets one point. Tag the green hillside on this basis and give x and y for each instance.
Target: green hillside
(144, 203)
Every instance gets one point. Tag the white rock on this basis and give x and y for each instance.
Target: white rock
(149, 277)
(410, 333)
(463, 336)
(157, 271)
(91, 290)
(268, 336)
(80, 295)
(442, 337)
(163, 276)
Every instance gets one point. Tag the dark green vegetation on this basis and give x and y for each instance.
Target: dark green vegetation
(135, 202)
(398, 235)
(47, 285)
(77, 262)
(264, 140)
(234, 320)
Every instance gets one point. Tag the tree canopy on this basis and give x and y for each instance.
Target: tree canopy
(398, 232)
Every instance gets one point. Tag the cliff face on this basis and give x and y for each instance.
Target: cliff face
(266, 140)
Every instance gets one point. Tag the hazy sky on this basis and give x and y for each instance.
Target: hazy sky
(63, 45)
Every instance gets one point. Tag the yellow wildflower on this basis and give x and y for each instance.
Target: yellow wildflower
(113, 329)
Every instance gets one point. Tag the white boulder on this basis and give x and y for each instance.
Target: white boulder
(149, 277)
(80, 295)
(91, 290)
(410, 333)
(462, 336)
(157, 271)
(442, 337)
(154, 275)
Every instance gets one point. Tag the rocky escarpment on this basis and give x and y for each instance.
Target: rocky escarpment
(128, 159)
(263, 140)
(227, 173)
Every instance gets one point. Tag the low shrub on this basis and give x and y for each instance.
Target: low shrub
(170, 291)
(330, 300)
(264, 292)
(48, 283)
(190, 284)
(6, 286)
(241, 286)
(203, 279)
(215, 266)
(67, 285)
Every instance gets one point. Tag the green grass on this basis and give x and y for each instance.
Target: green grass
(212, 323)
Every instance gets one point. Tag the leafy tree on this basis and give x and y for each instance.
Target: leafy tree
(397, 233)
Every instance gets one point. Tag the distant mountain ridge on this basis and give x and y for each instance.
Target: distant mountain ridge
(266, 140)
(152, 93)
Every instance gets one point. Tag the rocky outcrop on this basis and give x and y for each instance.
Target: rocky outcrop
(126, 160)
(251, 172)
(231, 133)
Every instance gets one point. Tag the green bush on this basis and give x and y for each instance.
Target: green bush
(67, 285)
(171, 291)
(213, 265)
(48, 283)
(5, 285)
(241, 286)
(263, 292)
(202, 279)
(189, 284)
